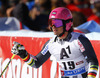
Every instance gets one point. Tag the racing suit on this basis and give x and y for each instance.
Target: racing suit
(74, 54)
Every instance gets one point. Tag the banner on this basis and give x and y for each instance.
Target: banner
(18, 69)
(33, 42)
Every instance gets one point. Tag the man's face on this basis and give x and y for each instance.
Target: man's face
(56, 25)
(57, 31)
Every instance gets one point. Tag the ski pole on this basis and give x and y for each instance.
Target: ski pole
(7, 65)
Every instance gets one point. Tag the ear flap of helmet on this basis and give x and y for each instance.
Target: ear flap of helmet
(67, 24)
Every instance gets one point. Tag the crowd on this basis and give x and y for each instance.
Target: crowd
(35, 13)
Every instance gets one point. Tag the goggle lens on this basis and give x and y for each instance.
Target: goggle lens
(55, 22)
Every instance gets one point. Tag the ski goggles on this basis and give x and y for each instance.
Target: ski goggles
(58, 23)
(55, 22)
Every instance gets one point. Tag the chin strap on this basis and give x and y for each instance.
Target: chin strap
(62, 34)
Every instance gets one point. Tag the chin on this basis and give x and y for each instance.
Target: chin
(54, 33)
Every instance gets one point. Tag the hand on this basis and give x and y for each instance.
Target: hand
(19, 49)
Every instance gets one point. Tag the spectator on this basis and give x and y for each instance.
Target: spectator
(82, 6)
(21, 12)
(41, 7)
(24, 1)
(54, 4)
(96, 12)
(67, 2)
(61, 3)
(40, 13)
(57, 3)
(29, 3)
(78, 18)
(39, 23)
(3, 7)
(11, 5)
(2, 13)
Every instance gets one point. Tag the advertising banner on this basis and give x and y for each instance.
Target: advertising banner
(33, 42)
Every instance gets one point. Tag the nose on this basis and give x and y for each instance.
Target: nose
(53, 26)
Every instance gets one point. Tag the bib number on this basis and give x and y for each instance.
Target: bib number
(70, 65)
(65, 54)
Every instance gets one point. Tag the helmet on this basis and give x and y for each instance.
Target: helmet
(63, 14)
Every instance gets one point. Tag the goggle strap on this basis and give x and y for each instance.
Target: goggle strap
(67, 21)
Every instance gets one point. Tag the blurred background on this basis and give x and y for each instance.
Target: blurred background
(34, 14)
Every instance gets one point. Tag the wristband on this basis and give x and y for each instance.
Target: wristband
(26, 58)
(93, 71)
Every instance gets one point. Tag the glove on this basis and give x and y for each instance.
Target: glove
(19, 49)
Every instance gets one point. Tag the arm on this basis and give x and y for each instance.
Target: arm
(90, 56)
(39, 59)
(34, 61)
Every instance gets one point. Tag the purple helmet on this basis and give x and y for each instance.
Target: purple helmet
(62, 14)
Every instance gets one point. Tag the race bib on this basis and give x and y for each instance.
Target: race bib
(73, 72)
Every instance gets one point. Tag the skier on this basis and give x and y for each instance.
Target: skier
(72, 50)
